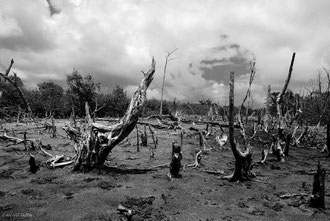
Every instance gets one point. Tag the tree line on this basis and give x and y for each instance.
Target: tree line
(49, 98)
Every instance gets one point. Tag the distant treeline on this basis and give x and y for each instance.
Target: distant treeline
(50, 98)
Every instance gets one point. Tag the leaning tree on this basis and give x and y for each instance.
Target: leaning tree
(94, 144)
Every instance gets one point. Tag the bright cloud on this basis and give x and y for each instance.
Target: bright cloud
(116, 39)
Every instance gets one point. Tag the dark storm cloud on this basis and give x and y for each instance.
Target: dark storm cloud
(220, 73)
(116, 39)
(52, 9)
(28, 42)
(33, 37)
(218, 69)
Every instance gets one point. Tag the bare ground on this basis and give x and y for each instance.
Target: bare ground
(60, 194)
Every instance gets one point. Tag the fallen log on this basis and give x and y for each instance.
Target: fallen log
(289, 195)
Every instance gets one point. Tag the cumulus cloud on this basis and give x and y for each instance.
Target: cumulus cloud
(116, 39)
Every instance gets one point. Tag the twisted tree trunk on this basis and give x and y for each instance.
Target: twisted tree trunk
(96, 143)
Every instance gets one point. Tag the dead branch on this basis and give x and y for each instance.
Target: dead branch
(9, 67)
(198, 159)
(279, 100)
(153, 136)
(289, 195)
(215, 172)
(57, 160)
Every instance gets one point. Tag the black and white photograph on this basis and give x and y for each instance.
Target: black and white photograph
(187, 110)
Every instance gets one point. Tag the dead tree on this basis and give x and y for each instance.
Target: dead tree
(244, 160)
(19, 90)
(325, 104)
(96, 143)
(281, 118)
(317, 197)
(167, 59)
(279, 100)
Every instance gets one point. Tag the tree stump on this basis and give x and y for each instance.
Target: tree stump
(317, 197)
(33, 166)
(175, 165)
(144, 137)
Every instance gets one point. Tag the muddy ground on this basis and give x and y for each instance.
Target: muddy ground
(60, 194)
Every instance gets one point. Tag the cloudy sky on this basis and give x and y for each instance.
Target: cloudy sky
(115, 39)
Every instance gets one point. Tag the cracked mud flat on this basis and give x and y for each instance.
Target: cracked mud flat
(95, 195)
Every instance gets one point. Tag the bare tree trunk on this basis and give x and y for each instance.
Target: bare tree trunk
(244, 160)
(99, 139)
(281, 118)
(279, 100)
(165, 67)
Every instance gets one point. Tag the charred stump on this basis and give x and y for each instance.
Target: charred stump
(175, 165)
(33, 165)
(317, 197)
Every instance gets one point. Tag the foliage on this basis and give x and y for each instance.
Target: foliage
(10, 100)
(52, 96)
(81, 89)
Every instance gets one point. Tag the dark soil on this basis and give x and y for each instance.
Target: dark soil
(60, 194)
